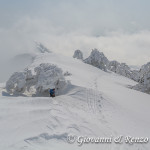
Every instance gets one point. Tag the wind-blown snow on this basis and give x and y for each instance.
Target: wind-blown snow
(96, 104)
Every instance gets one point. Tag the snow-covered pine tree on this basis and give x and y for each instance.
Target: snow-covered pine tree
(45, 76)
(144, 79)
(78, 54)
(97, 59)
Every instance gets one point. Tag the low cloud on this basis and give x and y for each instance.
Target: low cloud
(131, 48)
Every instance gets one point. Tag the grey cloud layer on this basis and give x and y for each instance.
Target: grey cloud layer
(132, 48)
(121, 29)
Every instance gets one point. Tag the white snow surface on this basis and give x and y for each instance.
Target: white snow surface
(96, 104)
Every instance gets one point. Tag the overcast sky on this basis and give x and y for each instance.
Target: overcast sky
(119, 28)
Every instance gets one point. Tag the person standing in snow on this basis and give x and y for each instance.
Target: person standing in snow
(52, 92)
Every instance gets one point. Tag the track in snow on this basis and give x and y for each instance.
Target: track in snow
(94, 99)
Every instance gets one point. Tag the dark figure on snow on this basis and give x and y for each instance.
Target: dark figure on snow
(52, 92)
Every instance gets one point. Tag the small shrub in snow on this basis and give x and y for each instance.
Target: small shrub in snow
(78, 54)
(145, 69)
(67, 73)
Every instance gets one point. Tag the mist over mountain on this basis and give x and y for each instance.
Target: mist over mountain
(74, 75)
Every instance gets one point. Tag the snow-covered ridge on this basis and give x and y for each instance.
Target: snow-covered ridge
(96, 58)
(99, 60)
(95, 104)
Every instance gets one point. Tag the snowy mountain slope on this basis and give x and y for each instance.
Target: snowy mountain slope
(97, 104)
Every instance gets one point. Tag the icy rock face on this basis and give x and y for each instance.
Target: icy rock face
(97, 59)
(78, 54)
(45, 76)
